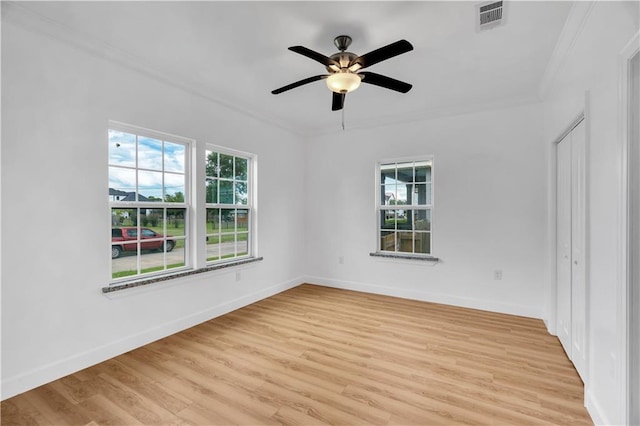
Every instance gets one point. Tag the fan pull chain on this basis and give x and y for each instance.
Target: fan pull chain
(343, 118)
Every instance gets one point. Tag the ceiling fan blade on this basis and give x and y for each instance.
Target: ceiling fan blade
(338, 101)
(319, 57)
(384, 81)
(383, 53)
(299, 83)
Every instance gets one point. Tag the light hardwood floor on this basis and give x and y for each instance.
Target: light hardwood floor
(315, 355)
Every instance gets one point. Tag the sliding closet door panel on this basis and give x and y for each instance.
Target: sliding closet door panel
(578, 229)
(563, 243)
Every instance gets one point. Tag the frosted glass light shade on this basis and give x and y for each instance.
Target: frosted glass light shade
(343, 82)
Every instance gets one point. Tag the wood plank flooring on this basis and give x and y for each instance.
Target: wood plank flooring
(316, 355)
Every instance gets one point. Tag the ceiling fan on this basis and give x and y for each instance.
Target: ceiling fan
(344, 69)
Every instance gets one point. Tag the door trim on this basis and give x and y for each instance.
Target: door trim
(624, 283)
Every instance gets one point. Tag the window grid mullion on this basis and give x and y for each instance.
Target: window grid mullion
(150, 210)
(412, 211)
(231, 235)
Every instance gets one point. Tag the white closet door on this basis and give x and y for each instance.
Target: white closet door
(578, 267)
(563, 243)
(570, 247)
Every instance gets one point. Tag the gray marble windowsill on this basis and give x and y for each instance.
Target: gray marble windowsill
(152, 280)
(404, 256)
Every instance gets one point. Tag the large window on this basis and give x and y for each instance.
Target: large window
(229, 204)
(149, 201)
(405, 206)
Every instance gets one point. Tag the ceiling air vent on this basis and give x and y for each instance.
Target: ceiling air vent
(489, 15)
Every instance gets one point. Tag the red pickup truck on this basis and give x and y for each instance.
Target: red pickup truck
(126, 239)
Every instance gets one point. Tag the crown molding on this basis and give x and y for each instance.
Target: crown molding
(20, 14)
(578, 15)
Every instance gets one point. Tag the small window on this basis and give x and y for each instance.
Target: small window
(229, 204)
(405, 207)
(149, 201)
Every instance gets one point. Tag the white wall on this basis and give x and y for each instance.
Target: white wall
(56, 102)
(489, 211)
(589, 80)
(492, 174)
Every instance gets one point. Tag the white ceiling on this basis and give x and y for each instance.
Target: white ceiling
(236, 52)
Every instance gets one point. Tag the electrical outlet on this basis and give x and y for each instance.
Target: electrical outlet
(497, 274)
(341, 260)
(238, 276)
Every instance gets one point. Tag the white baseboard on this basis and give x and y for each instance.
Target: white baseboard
(481, 304)
(12, 386)
(594, 410)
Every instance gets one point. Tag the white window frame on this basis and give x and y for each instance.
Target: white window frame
(250, 206)
(379, 207)
(189, 145)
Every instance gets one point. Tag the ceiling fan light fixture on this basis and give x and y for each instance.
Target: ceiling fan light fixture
(343, 82)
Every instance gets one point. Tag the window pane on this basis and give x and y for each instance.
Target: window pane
(422, 220)
(420, 194)
(212, 169)
(226, 166)
(174, 157)
(387, 173)
(124, 265)
(175, 223)
(123, 217)
(153, 218)
(403, 193)
(174, 187)
(152, 261)
(213, 249)
(122, 149)
(422, 242)
(226, 192)
(387, 241)
(176, 257)
(242, 220)
(241, 169)
(213, 221)
(122, 184)
(422, 172)
(227, 220)
(241, 193)
(149, 186)
(212, 190)
(390, 196)
(405, 242)
(405, 172)
(388, 219)
(242, 244)
(403, 219)
(213, 237)
(149, 153)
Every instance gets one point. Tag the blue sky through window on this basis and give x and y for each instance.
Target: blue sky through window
(153, 155)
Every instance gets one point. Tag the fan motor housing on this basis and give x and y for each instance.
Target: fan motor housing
(343, 58)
